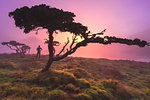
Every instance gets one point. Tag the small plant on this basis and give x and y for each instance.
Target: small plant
(5, 89)
(110, 84)
(7, 65)
(93, 93)
(80, 73)
(37, 93)
(82, 96)
(82, 83)
(56, 95)
(20, 90)
(54, 78)
(70, 88)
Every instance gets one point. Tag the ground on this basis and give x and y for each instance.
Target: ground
(73, 78)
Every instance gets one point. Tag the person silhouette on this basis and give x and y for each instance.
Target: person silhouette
(38, 51)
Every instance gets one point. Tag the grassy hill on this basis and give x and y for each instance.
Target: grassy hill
(73, 79)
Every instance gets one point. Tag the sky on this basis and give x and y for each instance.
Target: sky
(121, 18)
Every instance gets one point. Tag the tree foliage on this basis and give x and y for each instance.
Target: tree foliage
(20, 48)
(46, 17)
(53, 19)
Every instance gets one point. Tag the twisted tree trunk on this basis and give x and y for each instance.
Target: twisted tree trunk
(51, 53)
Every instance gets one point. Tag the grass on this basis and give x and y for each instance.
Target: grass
(73, 79)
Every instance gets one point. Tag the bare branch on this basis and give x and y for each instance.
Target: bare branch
(10, 47)
(64, 47)
(106, 40)
(73, 41)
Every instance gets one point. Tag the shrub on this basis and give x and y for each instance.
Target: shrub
(15, 98)
(37, 93)
(114, 74)
(5, 89)
(104, 95)
(21, 90)
(123, 92)
(55, 78)
(82, 96)
(71, 88)
(80, 73)
(7, 65)
(110, 85)
(82, 83)
(147, 92)
(56, 95)
(93, 93)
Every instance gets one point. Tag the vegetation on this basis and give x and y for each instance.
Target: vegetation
(20, 79)
(55, 21)
(20, 48)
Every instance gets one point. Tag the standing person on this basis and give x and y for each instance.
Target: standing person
(38, 51)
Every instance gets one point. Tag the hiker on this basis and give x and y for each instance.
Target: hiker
(38, 51)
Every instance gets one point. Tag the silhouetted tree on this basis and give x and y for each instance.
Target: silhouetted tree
(53, 19)
(20, 48)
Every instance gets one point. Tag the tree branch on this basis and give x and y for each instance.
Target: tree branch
(73, 41)
(10, 47)
(64, 47)
(106, 40)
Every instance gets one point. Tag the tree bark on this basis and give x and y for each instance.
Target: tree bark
(51, 53)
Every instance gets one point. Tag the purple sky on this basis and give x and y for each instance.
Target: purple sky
(122, 18)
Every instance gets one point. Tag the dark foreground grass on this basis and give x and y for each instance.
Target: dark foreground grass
(73, 79)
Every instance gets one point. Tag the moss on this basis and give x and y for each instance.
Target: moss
(56, 95)
(110, 85)
(5, 89)
(80, 73)
(93, 93)
(82, 96)
(37, 93)
(146, 91)
(54, 78)
(82, 83)
(103, 94)
(7, 65)
(20, 90)
(70, 88)
(15, 98)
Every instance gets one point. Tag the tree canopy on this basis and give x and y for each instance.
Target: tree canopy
(43, 16)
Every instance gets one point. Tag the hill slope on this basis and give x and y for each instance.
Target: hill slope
(73, 79)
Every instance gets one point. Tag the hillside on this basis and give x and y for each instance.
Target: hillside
(73, 78)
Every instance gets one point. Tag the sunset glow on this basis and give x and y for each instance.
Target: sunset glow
(120, 18)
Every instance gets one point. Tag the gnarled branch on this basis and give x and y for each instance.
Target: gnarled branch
(106, 40)
(64, 47)
(73, 41)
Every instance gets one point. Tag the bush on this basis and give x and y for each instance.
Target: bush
(54, 78)
(104, 95)
(123, 92)
(15, 98)
(5, 89)
(82, 96)
(80, 73)
(93, 93)
(114, 74)
(56, 95)
(110, 85)
(147, 92)
(82, 83)
(37, 93)
(21, 91)
(7, 65)
(71, 88)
